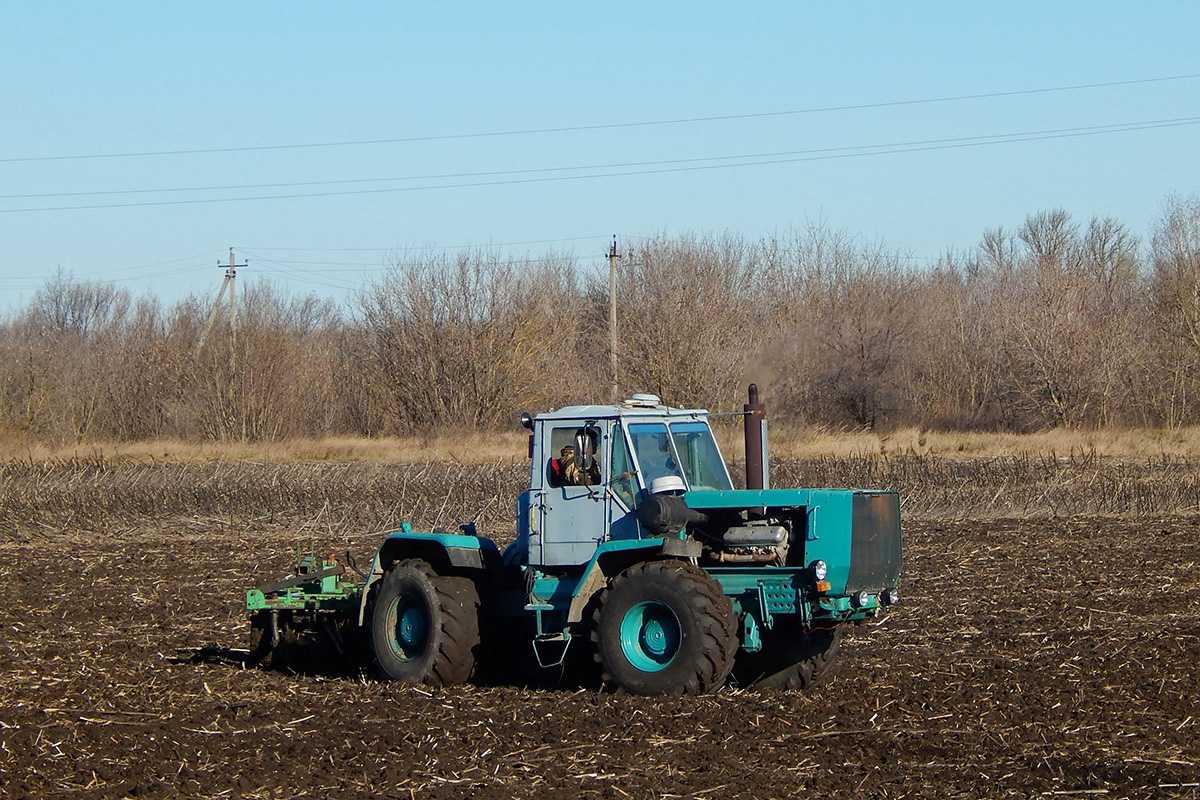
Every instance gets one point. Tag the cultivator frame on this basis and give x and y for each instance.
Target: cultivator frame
(317, 598)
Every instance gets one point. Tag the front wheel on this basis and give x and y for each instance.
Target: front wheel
(665, 627)
(424, 626)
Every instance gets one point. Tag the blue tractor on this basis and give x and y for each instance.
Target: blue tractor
(633, 547)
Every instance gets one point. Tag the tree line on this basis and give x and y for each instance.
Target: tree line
(1058, 322)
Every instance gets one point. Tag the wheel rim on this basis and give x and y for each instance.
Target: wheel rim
(650, 636)
(411, 628)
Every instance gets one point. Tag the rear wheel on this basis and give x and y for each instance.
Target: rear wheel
(665, 627)
(424, 626)
(791, 658)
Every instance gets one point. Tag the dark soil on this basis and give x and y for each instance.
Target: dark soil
(1027, 659)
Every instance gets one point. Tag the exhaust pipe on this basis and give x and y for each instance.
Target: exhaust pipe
(755, 420)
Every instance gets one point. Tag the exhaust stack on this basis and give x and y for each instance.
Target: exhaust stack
(755, 419)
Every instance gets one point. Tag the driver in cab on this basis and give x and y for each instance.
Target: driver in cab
(566, 472)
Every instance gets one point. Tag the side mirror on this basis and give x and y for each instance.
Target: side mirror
(526, 420)
(584, 452)
(585, 446)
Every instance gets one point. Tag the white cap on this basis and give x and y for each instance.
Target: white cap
(667, 483)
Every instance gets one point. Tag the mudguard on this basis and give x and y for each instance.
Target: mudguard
(459, 552)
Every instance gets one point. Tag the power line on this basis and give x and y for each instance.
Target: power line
(144, 266)
(72, 275)
(697, 164)
(423, 248)
(609, 125)
(286, 269)
(368, 268)
(998, 138)
(282, 274)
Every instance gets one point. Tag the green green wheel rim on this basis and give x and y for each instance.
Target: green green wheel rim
(411, 629)
(650, 636)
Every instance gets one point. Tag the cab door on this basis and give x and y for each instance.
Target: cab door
(571, 519)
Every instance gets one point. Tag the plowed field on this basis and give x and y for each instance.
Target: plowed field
(1030, 657)
(1027, 659)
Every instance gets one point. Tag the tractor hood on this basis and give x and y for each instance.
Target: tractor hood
(859, 535)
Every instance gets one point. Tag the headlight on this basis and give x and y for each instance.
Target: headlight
(890, 597)
(820, 570)
(861, 600)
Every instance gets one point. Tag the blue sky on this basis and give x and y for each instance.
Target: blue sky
(253, 79)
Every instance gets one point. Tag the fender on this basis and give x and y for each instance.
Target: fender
(613, 556)
(459, 552)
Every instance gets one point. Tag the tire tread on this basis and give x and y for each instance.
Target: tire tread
(717, 624)
(455, 602)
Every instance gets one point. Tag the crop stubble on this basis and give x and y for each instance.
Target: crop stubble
(1033, 654)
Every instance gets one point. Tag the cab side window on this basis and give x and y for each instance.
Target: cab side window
(561, 450)
(561, 469)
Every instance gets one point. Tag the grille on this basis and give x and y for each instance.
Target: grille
(875, 548)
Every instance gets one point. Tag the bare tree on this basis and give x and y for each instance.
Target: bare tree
(462, 342)
(270, 380)
(689, 316)
(1175, 253)
(1053, 323)
(955, 366)
(845, 313)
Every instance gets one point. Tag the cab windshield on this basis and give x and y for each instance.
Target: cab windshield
(699, 455)
(687, 451)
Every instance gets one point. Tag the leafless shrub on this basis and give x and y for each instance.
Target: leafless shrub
(690, 319)
(269, 377)
(1017, 486)
(849, 311)
(463, 342)
(1175, 284)
(1053, 324)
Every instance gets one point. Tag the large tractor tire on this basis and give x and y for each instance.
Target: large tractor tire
(664, 627)
(424, 626)
(790, 659)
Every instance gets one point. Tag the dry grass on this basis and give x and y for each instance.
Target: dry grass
(45, 498)
(473, 448)
(786, 442)
(39, 499)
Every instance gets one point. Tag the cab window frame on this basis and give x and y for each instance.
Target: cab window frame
(615, 473)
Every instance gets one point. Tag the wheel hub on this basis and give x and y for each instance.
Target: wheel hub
(412, 627)
(650, 636)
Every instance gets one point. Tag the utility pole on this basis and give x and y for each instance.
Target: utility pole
(612, 318)
(228, 283)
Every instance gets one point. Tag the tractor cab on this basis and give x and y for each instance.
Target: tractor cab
(592, 466)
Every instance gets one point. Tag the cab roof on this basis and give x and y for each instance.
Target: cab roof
(638, 405)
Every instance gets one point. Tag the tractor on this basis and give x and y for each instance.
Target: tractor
(633, 550)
